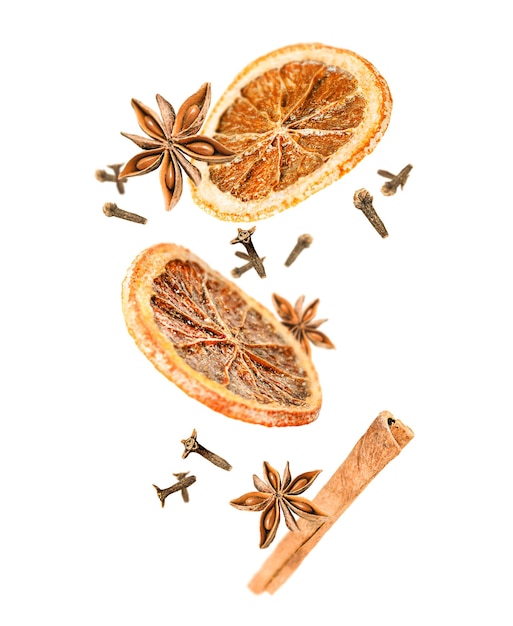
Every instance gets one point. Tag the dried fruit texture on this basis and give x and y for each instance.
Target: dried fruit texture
(215, 342)
(300, 118)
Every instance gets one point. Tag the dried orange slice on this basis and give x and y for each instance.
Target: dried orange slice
(215, 342)
(299, 118)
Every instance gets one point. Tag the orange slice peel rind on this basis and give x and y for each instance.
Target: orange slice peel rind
(215, 342)
(299, 118)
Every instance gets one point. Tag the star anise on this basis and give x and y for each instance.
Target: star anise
(173, 138)
(301, 323)
(275, 494)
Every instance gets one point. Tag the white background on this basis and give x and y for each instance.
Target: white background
(421, 321)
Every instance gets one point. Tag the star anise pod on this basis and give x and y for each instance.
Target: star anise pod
(275, 494)
(301, 323)
(172, 139)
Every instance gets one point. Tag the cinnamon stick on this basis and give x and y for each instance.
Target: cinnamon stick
(382, 442)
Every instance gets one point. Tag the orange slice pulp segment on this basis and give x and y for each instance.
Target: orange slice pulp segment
(215, 342)
(299, 118)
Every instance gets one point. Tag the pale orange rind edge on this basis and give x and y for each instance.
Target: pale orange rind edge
(226, 207)
(138, 313)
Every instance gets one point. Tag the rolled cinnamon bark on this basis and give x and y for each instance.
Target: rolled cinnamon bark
(382, 442)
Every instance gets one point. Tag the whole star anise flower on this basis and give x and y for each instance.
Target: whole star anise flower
(275, 494)
(301, 323)
(172, 139)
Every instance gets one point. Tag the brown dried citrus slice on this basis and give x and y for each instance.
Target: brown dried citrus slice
(299, 118)
(215, 342)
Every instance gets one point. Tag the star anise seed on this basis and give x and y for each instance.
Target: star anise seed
(173, 138)
(301, 323)
(275, 494)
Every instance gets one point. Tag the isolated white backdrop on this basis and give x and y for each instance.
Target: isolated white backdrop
(421, 321)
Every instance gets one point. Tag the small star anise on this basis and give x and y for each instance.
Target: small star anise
(301, 322)
(275, 494)
(172, 139)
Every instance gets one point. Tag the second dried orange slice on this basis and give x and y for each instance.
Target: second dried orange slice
(299, 118)
(215, 342)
